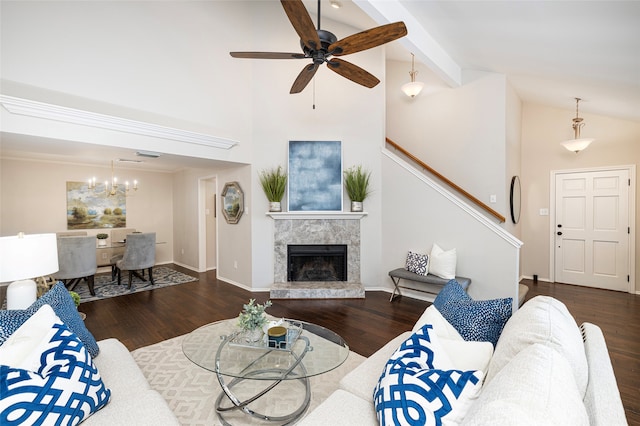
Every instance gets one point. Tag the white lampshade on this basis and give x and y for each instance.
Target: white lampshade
(577, 145)
(27, 256)
(413, 88)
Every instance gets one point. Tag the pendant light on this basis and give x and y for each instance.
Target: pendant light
(413, 88)
(577, 144)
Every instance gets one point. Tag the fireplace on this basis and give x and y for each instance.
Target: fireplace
(317, 262)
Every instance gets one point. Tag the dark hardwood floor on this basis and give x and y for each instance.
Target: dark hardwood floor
(366, 324)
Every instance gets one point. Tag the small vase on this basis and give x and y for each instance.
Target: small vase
(274, 206)
(252, 336)
(356, 206)
(102, 243)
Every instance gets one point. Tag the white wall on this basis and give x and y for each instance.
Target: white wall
(344, 112)
(458, 132)
(33, 199)
(161, 62)
(543, 129)
(417, 215)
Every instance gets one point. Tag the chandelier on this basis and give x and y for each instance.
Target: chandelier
(577, 144)
(111, 188)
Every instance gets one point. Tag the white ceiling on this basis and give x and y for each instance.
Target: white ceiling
(551, 52)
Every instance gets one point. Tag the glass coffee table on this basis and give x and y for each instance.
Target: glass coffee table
(222, 348)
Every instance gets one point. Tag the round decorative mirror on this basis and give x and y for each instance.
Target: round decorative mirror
(514, 199)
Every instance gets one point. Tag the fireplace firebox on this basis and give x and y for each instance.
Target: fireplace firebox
(317, 262)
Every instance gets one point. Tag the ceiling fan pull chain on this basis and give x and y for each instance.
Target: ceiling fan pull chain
(314, 93)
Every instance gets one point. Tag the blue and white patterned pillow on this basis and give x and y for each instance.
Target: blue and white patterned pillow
(62, 303)
(65, 388)
(411, 391)
(417, 263)
(477, 320)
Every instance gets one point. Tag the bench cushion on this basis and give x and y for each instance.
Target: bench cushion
(402, 273)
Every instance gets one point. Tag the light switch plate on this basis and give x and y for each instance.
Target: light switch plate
(544, 212)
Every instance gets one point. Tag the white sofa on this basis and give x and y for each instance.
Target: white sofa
(132, 401)
(545, 370)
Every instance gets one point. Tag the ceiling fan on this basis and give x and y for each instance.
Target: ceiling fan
(322, 46)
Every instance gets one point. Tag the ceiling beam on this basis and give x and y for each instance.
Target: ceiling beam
(418, 41)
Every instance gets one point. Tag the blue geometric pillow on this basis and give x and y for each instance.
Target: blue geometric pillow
(417, 263)
(62, 303)
(478, 320)
(412, 392)
(65, 389)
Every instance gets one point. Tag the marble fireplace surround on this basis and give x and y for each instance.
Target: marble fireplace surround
(316, 228)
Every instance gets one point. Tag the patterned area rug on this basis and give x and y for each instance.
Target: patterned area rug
(191, 391)
(105, 287)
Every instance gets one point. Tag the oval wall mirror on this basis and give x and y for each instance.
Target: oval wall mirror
(514, 199)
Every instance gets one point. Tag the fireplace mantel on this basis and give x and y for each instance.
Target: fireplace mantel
(316, 215)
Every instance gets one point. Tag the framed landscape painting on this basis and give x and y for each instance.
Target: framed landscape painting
(93, 209)
(315, 176)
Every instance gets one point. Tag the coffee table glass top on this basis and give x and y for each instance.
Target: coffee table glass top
(218, 347)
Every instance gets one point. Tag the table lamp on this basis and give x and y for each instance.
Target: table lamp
(22, 258)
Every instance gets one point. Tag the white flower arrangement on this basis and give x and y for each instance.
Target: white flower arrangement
(252, 315)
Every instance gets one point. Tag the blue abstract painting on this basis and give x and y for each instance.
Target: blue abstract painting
(315, 176)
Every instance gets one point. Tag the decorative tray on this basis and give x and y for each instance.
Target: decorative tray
(294, 329)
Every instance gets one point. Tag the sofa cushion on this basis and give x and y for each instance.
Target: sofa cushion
(364, 377)
(535, 388)
(414, 390)
(342, 408)
(545, 320)
(55, 384)
(64, 307)
(417, 263)
(478, 320)
(443, 263)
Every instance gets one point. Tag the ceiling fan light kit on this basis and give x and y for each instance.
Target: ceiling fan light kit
(322, 46)
(577, 144)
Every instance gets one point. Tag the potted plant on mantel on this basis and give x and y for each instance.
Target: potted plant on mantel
(356, 182)
(274, 183)
(102, 239)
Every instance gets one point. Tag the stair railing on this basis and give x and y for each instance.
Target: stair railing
(448, 182)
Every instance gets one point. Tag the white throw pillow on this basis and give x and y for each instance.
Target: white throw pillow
(468, 355)
(535, 388)
(443, 263)
(20, 350)
(441, 326)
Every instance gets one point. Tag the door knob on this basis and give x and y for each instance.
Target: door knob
(559, 233)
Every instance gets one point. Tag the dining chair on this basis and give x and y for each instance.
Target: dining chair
(139, 254)
(76, 261)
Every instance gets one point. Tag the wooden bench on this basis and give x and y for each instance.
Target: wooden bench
(434, 282)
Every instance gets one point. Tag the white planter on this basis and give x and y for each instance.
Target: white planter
(274, 206)
(102, 243)
(356, 206)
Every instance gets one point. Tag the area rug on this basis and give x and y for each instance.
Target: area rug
(191, 391)
(105, 287)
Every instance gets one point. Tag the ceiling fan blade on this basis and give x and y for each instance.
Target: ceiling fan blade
(304, 78)
(302, 23)
(267, 55)
(352, 72)
(367, 39)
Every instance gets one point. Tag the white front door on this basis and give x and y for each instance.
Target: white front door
(592, 229)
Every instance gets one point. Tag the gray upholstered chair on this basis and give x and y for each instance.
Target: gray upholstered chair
(139, 254)
(76, 260)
